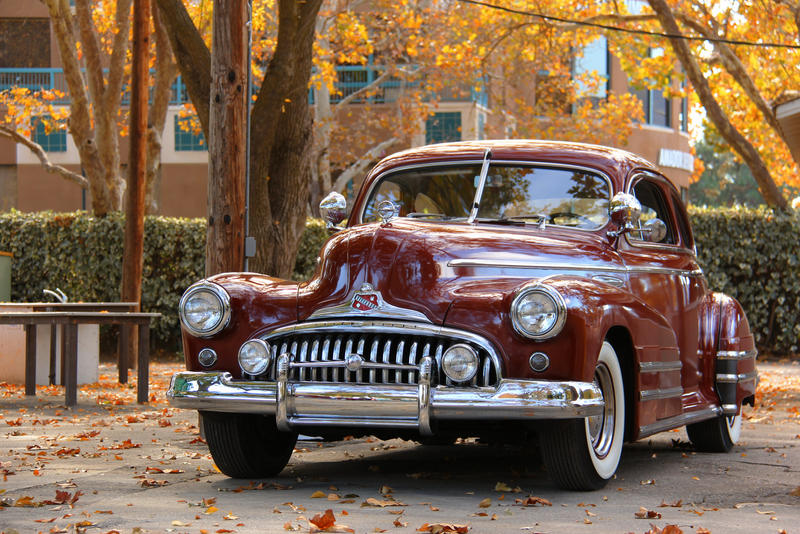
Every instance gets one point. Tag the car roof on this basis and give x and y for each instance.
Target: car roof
(614, 162)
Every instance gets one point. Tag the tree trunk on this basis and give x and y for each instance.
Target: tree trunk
(80, 120)
(766, 185)
(133, 251)
(165, 72)
(106, 92)
(226, 140)
(280, 127)
(192, 55)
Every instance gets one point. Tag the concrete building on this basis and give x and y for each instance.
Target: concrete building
(29, 56)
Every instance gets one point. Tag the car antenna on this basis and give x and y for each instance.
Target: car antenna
(487, 156)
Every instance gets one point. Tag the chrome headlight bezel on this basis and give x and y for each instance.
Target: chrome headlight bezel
(559, 308)
(263, 364)
(223, 301)
(446, 365)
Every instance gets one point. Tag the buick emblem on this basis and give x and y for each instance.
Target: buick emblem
(353, 362)
(366, 300)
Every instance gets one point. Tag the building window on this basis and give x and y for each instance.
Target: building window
(684, 115)
(443, 127)
(186, 139)
(593, 60)
(655, 105)
(54, 141)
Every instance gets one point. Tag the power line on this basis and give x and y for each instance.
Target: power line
(629, 30)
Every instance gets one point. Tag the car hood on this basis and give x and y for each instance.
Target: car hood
(424, 267)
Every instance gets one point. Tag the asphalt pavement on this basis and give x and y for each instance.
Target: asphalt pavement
(110, 465)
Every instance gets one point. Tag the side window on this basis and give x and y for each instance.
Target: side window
(683, 221)
(654, 205)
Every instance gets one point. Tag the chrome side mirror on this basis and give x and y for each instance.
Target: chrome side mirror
(655, 230)
(333, 209)
(624, 211)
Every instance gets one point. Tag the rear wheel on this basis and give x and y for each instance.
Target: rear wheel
(716, 435)
(583, 454)
(247, 445)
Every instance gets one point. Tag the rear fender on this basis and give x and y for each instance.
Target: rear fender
(731, 349)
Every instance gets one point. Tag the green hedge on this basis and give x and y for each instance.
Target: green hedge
(82, 255)
(749, 254)
(752, 255)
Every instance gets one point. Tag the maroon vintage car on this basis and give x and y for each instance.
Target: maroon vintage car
(487, 288)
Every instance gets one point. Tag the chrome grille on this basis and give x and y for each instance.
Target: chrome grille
(399, 348)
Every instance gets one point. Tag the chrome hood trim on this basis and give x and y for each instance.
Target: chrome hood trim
(368, 303)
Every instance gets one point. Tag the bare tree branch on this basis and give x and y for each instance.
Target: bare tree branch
(385, 75)
(39, 152)
(361, 165)
(742, 146)
(116, 71)
(731, 62)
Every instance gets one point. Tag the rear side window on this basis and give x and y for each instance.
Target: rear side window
(654, 205)
(683, 221)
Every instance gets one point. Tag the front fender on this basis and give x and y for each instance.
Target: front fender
(259, 303)
(593, 308)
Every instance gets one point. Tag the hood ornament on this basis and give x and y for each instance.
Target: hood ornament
(387, 210)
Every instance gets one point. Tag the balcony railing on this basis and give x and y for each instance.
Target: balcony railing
(351, 78)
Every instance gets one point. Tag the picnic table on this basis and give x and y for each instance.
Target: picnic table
(70, 320)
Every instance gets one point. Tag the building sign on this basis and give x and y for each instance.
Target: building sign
(676, 159)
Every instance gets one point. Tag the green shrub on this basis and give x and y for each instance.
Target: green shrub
(82, 255)
(749, 254)
(752, 255)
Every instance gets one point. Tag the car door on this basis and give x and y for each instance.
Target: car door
(664, 274)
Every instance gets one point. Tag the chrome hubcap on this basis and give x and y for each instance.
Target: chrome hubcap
(601, 427)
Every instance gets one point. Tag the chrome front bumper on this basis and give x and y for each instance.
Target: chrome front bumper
(299, 404)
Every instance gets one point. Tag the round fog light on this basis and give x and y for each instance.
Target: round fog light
(460, 363)
(254, 357)
(207, 357)
(539, 362)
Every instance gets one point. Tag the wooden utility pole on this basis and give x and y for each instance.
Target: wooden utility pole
(226, 139)
(132, 258)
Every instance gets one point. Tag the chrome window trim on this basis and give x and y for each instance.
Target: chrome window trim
(659, 394)
(543, 164)
(392, 327)
(638, 175)
(660, 367)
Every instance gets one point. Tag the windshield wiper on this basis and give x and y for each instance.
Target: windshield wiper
(476, 204)
(520, 220)
(512, 221)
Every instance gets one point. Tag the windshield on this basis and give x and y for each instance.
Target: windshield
(513, 193)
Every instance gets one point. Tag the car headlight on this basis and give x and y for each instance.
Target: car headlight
(538, 312)
(460, 363)
(254, 357)
(205, 309)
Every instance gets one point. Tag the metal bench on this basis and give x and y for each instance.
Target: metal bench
(70, 321)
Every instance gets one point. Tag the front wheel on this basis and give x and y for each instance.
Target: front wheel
(716, 435)
(247, 445)
(583, 454)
